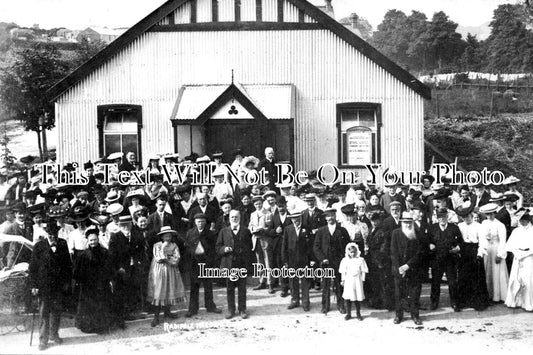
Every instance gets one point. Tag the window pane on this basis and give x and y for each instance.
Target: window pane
(129, 123)
(113, 121)
(129, 143)
(111, 143)
(367, 118)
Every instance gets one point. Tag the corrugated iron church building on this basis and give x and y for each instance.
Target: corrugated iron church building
(202, 75)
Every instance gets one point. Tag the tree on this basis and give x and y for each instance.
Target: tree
(86, 51)
(418, 41)
(472, 58)
(445, 44)
(23, 86)
(391, 37)
(510, 44)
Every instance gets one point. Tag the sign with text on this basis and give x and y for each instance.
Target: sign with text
(359, 145)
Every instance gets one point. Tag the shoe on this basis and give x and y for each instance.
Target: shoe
(56, 340)
(456, 308)
(243, 315)
(130, 317)
(271, 289)
(323, 310)
(189, 314)
(171, 315)
(293, 305)
(359, 316)
(417, 321)
(307, 308)
(230, 315)
(155, 322)
(214, 310)
(342, 310)
(260, 287)
(284, 293)
(42, 346)
(347, 317)
(397, 320)
(434, 306)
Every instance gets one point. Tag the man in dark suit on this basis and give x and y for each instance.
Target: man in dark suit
(391, 196)
(126, 252)
(23, 227)
(329, 244)
(50, 272)
(234, 245)
(280, 221)
(377, 259)
(16, 192)
(482, 195)
(269, 164)
(390, 223)
(204, 207)
(444, 239)
(130, 164)
(160, 218)
(297, 252)
(407, 252)
(200, 244)
(313, 219)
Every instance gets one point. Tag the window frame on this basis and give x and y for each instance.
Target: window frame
(358, 106)
(101, 114)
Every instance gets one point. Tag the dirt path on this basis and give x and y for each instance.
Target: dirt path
(273, 329)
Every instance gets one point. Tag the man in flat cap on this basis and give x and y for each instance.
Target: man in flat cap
(200, 244)
(312, 219)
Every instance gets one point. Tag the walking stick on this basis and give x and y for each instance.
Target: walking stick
(32, 321)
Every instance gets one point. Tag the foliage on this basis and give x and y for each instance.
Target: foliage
(360, 24)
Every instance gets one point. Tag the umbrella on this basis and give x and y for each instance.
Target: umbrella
(9, 238)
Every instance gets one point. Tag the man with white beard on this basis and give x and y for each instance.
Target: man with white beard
(407, 252)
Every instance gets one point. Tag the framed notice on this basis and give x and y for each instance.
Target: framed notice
(359, 144)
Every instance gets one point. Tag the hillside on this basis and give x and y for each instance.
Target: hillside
(504, 143)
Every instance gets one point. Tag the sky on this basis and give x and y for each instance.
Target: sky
(79, 14)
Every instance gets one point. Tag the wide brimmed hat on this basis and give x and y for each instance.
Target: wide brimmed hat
(204, 159)
(125, 219)
(79, 213)
(152, 157)
(250, 160)
(57, 211)
(406, 217)
(521, 212)
(88, 165)
(135, 193)
(488, 208)
(51, 193)
(442, 194)
(100, 219)
(348, 209)
(114, 209)
(309, 197)
(510, 180)
(36, 209)
(497, 197)
(218, 154)
(167, 229)
(465, 209)
(269, 193)
(511, 196)
(82, 194)
(218, 172)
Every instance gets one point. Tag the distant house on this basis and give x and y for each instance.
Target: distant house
(104, 34)
(22, 33)
(66, 35)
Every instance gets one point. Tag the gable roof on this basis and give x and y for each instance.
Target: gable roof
(164, 10)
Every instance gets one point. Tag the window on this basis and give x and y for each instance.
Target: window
(358, 127)
(119, 128)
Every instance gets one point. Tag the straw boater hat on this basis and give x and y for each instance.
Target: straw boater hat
(268, 194)
(497, 197)
(167, 229)
(135, 193)
(488, 208)
(257, 198)
(218, 172)
(115, 156)
(309, 197)
(114, 209)
(125, 219)
(152, 157)
(218, 154)
(112, 196)
(295, 214)
(330, 210)
(204, 159)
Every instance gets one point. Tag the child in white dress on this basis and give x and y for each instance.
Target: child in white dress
(353, 270)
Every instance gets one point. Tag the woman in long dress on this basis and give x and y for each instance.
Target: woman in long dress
(93, 274)
(165, 287)
(495, 268)
(520, 243)
(472, 285)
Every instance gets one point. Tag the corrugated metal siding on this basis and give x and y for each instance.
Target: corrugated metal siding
(309, 19)
(270, 10)
(183, 13)
(203, 10)
(164, 21)
(248, 10)
(324, 70)
(226, 10)
(290, 12)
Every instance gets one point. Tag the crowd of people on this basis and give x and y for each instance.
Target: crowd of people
(109, 251)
